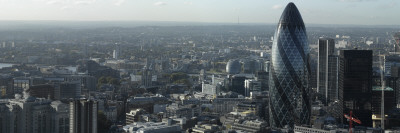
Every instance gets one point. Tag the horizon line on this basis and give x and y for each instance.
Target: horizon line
(194, 22)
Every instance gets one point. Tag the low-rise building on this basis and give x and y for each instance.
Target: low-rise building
(133, 115)
(205, 128)
(253, 126)
(225, 105)
(181, 111)
(151, 127)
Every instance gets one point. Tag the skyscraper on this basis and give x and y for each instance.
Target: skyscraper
(147, 75)
(27, 115)
(289, 71)
(356, 76)
(396, 37)
(333, 79)
(327, 70)
(83, 116)
(116, 52)
(237, 84)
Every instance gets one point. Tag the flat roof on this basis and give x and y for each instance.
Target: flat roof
(379, 88)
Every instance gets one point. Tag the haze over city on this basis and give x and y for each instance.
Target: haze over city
(199, 66)
(360, 12)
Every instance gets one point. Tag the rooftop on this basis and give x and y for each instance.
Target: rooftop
(379, 88)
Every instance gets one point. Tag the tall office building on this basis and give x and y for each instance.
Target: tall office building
(25, 115)
(60, 118)
(251, 85)
(392, 75)
(263, 77)
(327, 71)
(396, 37)
(236, 84)
(147, 74)
(356, 76)
(83, 116)
(289, 71)
(334, 90)
(116, 52)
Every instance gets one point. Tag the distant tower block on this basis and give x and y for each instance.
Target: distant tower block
(116, 52)
(83, 116)
(396, 37)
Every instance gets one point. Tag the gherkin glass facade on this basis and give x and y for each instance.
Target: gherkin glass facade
(289, 72)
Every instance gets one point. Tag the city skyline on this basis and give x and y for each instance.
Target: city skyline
(130, 66)
(361, 12)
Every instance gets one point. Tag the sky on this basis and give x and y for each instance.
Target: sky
(359, 12)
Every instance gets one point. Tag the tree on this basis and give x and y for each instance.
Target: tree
(102, 80)
(109, 78)
(114, 81)
(183, 81)
(178, 76)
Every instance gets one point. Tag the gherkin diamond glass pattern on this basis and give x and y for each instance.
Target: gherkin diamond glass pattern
(289, 71)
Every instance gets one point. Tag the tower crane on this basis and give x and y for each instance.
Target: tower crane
(351, 120)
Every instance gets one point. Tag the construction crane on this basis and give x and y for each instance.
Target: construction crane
(351, 120)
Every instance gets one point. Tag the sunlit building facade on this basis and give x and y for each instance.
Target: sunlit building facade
(289, 71)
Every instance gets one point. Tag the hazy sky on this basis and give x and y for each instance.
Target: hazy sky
(365, 12)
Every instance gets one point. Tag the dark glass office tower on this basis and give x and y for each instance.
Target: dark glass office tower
(289, 71)
(356, 71)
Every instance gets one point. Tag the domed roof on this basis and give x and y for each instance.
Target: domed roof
(291, 17)
(233, 67)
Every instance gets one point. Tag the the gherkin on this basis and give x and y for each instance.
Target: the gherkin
(289, 71)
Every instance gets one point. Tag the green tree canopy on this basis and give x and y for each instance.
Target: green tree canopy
(178, 76)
